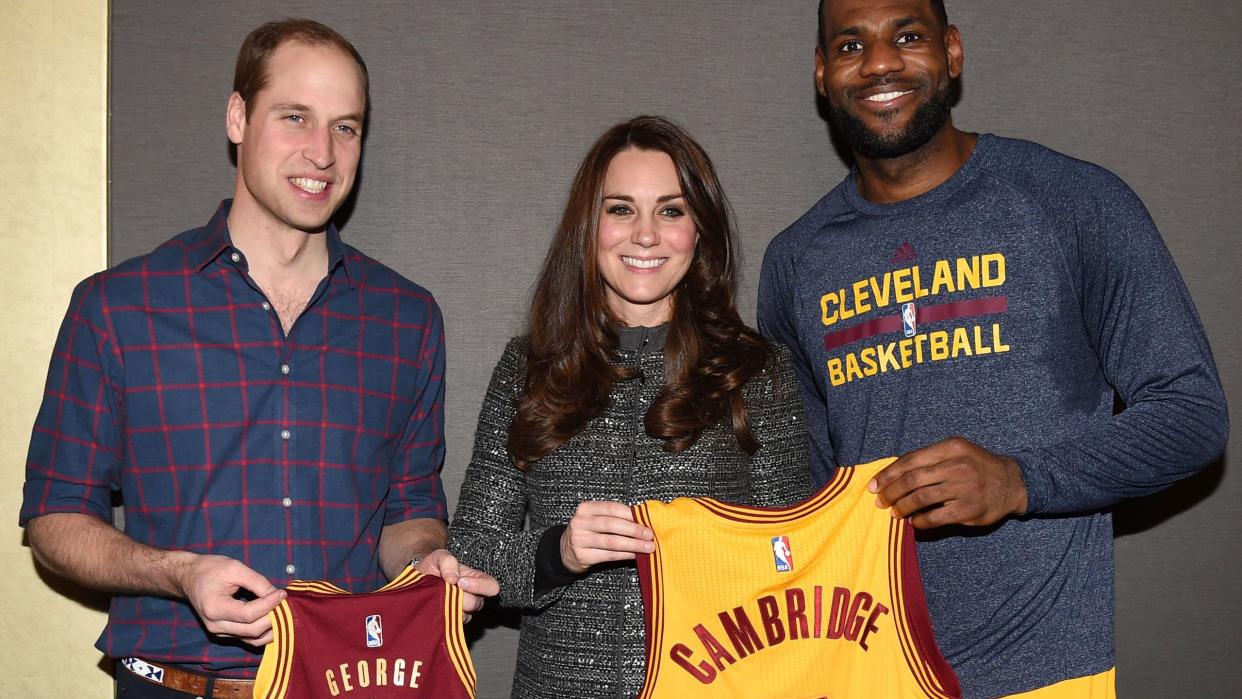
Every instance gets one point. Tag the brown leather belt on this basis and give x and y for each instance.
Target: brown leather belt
(193, 683)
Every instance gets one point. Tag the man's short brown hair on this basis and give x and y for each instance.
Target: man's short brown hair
(250, 74)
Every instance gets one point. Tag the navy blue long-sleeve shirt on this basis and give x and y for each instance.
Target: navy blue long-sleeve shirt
(1005, 306)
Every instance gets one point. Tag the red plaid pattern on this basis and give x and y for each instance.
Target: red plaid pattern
(173, 383)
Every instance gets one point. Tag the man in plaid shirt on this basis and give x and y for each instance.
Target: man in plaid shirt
(267, 400)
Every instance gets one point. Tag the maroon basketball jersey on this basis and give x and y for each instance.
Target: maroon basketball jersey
(403, 640)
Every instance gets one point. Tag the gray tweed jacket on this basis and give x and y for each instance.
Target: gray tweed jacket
(586, 639)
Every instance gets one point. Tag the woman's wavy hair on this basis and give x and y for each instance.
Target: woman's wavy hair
(709, 352)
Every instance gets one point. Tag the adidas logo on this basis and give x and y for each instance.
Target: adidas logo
(905, 253)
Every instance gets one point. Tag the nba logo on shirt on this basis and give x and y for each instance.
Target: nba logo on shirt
(908, 323)
(782, 554)
(375, 631)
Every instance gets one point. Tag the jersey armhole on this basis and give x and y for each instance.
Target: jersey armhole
(455, 639)
(649, 583)
(934, 672)
(272, 680)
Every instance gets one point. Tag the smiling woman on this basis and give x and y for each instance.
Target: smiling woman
(646, 238)
(646, 193)
(637, 380)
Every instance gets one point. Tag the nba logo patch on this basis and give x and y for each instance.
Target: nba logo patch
(782, 554)
(375, 631)
(908, 323)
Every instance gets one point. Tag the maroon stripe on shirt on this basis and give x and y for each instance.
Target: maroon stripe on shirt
(926, 314)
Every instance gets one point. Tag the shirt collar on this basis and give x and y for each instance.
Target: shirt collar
(213, 240)
(645, 339)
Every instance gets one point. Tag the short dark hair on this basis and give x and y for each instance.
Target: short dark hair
(250, 73)
(937, 7)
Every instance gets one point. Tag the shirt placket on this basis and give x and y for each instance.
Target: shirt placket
(299, 445)
(280, 435)
(290, 443)
(290, 447)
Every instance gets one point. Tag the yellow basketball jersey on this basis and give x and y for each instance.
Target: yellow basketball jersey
(819, 600)
(1101, 686)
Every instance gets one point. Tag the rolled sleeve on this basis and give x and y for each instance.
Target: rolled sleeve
(416, 489)
(75, 448)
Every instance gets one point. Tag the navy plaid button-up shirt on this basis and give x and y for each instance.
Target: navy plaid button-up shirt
(173, 382)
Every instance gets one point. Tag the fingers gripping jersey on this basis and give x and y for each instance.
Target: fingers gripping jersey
(819, 600)
(403, 640)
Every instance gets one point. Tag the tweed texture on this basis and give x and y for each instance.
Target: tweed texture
(586, 639)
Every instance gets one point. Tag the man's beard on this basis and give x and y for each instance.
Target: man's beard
(928, 118)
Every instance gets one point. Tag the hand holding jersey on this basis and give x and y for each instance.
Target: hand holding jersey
(600, 532)
(211, 582)
(953, 481)
(474, 584)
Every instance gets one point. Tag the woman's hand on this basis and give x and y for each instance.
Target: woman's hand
(600, 532)
(475, 584)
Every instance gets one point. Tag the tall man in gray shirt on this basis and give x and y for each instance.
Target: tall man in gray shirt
(972, 303)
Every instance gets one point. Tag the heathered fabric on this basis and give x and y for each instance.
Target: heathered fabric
(1067, 293)
(586, 639)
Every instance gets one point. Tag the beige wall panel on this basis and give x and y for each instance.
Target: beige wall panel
(54, 198)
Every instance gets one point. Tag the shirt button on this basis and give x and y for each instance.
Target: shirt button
(287, 502)
(285, 434)
(267, 306)
(289, 569)
(284, 368)
(235, 257)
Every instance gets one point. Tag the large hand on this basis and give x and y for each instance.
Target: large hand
(475, 583)
(951, 482)
(210, 583)
(603, 531)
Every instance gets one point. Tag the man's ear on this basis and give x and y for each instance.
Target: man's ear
(235, 118)
(953, 47)
(820, 69)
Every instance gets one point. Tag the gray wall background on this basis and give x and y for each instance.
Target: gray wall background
(481, 112)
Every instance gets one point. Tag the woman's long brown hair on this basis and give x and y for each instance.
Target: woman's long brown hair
(709, 353)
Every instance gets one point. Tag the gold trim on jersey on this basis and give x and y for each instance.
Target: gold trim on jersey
(455, 638)
(916, 659)
(272, 681)
(655, 612)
